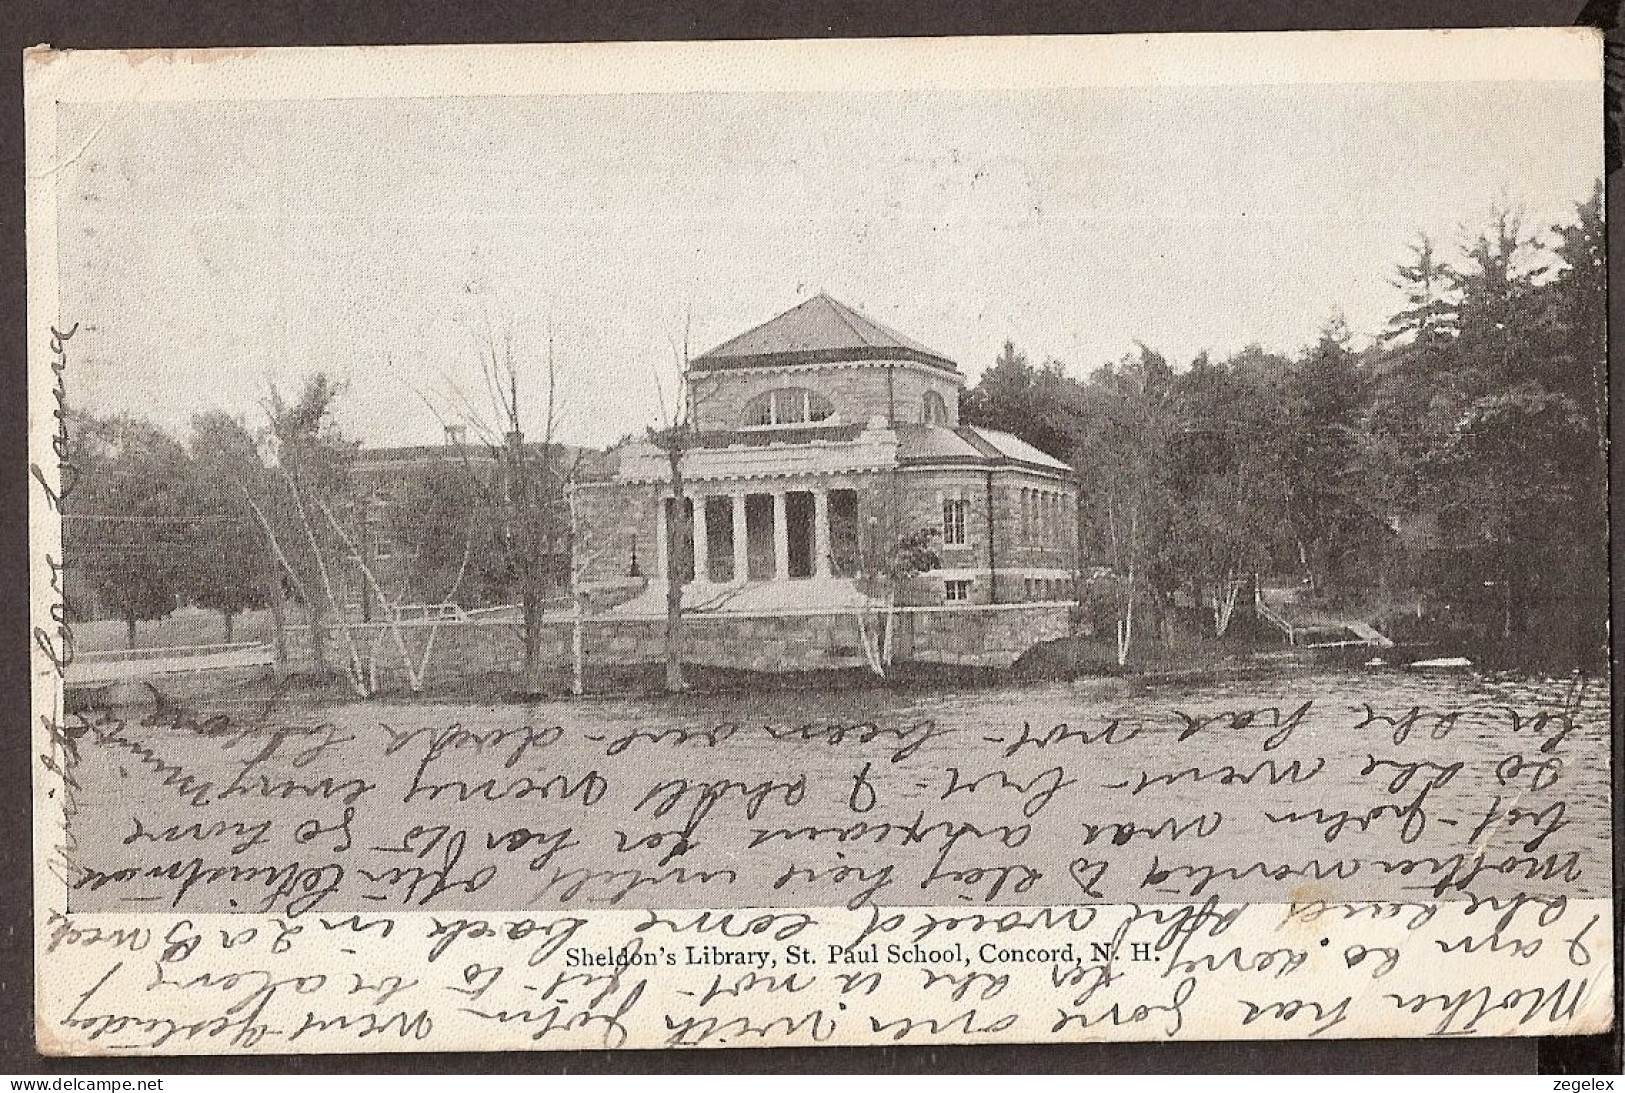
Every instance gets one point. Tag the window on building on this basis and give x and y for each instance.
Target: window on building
(955, 515)
(936, 409)
(787, 406)
(956, 591)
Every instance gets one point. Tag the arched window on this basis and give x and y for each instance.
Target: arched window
(787, 406)
(936, 409)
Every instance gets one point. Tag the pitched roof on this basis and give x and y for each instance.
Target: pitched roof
(969, 444)
(818, 331)
(1012, 447)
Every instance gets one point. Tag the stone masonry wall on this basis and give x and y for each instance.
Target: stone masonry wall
(992, 636)
(1014, 551)
(857, 393)
(922, 494)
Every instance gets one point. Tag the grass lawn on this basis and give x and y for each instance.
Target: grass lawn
(187, 626)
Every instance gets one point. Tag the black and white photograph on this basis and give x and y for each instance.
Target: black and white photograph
(772, 544)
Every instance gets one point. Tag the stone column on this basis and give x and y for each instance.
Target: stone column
(781, 539)
(821, 566)
(701, 546)
(662, 539)
(741, 546)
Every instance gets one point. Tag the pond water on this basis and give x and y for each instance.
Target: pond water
(1335, 785)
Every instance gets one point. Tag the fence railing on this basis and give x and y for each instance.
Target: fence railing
(160, 652)
(134, 665)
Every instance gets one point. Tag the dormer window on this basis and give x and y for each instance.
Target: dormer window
(936, 409)
(787, 406)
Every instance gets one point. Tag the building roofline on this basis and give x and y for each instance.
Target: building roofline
(865, 339)
(976, 462)
(856, 354)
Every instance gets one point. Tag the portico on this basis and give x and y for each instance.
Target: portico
(760, 532)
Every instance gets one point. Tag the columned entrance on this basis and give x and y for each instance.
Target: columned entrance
(719, 539)
(760, 513)
(767, 536)
(798, 533)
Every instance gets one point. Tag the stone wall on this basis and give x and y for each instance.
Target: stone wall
(921, 496)
(969, 635)
(461, 649)
(856, 391)
(1037, 552)
(992, 637)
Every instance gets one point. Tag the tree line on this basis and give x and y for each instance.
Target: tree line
(1450, 475)
(243, 517)
(1455, 468)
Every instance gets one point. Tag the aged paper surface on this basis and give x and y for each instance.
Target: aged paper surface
(564, 547)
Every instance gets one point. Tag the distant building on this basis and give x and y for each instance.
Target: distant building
(821, 433)
(383, 480)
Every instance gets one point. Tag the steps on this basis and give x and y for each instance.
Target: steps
(1299, 622)
(1370, 634)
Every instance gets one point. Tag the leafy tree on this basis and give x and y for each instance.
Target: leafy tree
(299, 507)
(454, 530)
(1480, 413)
(510, 517)
(1226, 522)
(229, 568)
(1124, 442)
(128, 521)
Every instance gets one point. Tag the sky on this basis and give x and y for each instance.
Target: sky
(211, 249)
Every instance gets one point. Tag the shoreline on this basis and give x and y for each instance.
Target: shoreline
(1181, 667)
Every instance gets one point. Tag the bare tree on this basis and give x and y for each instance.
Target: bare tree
(679, 433)
(890, 552)
(675, 436)
(311, 459)
(524, 489)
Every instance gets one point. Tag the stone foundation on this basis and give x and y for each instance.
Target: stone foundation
(983, 636)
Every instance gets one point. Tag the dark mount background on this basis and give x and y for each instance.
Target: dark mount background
(115, 24)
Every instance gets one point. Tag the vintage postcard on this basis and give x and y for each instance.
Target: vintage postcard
(841, 542)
